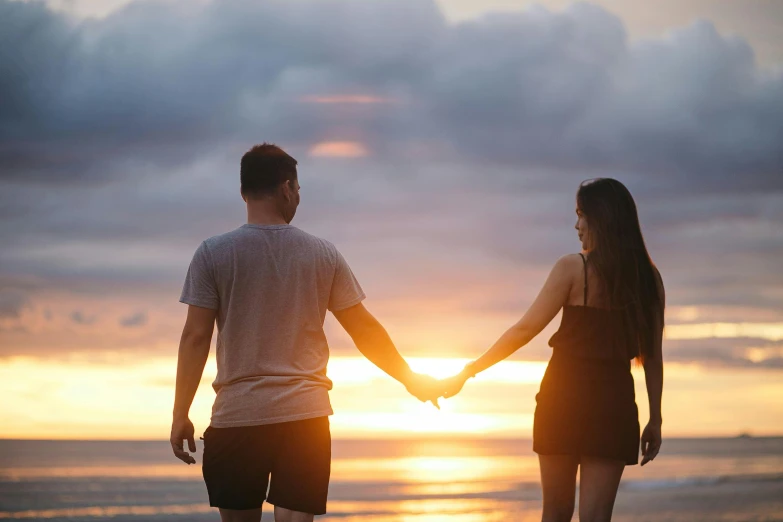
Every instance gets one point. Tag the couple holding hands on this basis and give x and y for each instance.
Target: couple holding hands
(268, 286)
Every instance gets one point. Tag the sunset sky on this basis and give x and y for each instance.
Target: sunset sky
(440, 146)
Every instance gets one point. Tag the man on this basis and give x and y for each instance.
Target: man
(269, 285)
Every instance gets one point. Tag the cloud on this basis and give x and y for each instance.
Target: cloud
(339, 149)
(137, 319)
(79, 317)
(349, 99)
(740, 352)
(441, 159)
(536, 88)
(11, 303)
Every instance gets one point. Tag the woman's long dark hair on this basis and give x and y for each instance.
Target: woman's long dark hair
(627, 276)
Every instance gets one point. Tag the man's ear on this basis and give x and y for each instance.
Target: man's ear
(288, 190)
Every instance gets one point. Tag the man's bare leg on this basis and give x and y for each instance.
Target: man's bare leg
(240, 515)
(286, 515)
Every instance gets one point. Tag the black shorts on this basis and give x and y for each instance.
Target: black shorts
(298, 454)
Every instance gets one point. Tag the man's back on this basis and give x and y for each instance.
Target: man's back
(268, 286)
(271, 286)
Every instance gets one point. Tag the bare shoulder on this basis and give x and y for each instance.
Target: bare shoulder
(566, 275)
(569, 264)
(567, 269)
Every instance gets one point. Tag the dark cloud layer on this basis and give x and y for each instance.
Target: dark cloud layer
(155, 82)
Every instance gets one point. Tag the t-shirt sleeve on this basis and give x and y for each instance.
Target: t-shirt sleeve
(200, 288)
(346, 291)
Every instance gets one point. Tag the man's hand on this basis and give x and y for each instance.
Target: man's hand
(182, 429)
(424, 388)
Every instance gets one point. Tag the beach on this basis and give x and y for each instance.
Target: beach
(424, 480)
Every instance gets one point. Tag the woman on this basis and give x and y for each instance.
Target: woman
(613, 300)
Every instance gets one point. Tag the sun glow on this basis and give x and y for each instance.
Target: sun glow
(350, 370)
(129, 399)
(426, 469)
(768, 331)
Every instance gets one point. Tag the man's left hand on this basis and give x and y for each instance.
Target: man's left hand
(424, 388)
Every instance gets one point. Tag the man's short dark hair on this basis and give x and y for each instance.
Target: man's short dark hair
(263, 168)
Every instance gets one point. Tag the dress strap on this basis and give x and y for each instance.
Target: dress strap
(584, 262)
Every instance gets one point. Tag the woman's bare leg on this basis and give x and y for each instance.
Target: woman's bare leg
(558, 482)
(286, 515)
(598, 483)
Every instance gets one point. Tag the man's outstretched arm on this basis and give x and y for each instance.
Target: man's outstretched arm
(374, 342)
(192, 357)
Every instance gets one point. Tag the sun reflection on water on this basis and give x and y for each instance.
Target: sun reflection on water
(436, 510)
(429, 469)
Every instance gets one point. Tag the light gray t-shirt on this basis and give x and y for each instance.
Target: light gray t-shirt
(271, 286)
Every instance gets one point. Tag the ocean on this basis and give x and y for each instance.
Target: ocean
(427, 480)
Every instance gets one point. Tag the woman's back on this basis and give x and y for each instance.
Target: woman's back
(589, 329)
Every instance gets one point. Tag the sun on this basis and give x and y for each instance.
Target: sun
(388, 410)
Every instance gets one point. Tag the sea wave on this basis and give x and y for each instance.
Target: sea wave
(669, 483)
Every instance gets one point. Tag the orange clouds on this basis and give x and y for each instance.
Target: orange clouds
(339, 149)
(343, 148)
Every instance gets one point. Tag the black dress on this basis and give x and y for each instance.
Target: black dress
(586, 404)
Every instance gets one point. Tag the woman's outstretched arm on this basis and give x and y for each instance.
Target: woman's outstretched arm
(548, 303)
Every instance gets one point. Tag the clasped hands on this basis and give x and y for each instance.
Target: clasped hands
(427, 388)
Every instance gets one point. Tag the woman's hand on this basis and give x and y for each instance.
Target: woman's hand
(651, 441)
(452, 385)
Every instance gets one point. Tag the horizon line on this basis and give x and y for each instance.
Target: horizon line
(497, 438)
